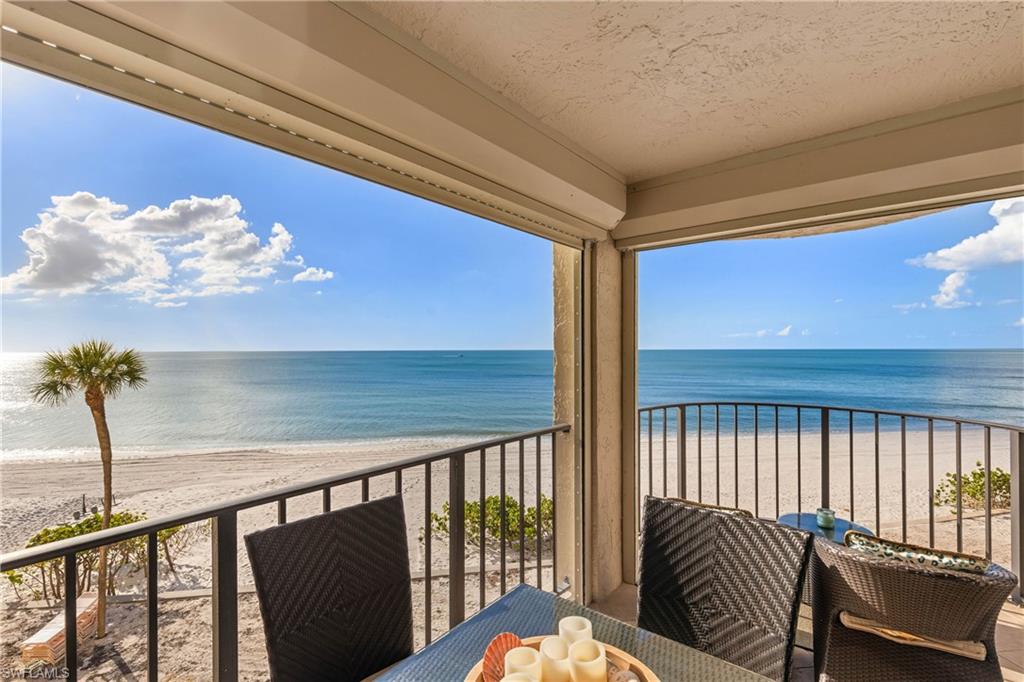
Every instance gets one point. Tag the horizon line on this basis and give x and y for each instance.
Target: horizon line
(532, 350)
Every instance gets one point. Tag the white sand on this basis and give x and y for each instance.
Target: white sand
(34, 494)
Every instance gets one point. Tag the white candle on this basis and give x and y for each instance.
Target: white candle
(554, 659)
(588, 662)
(519, 677)
(574, 629)
(525, 660)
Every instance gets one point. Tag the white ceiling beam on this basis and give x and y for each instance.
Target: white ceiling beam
(967, 152)
(218, 51)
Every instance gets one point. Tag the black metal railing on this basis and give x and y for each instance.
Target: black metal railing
(772, 435)
(224, 521)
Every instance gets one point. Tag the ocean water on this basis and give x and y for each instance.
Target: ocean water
(203, 401)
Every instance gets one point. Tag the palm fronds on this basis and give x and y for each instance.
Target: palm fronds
(92, 365)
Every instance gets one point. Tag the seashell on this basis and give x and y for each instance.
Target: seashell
(494, 656)
(616, 674)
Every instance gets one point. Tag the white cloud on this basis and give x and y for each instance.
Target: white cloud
(838, 300)
(1019, 323)
(195, 247)
(907, 307)
(313, 275)
(805, 332)
(1003, 244)
(950, 291)
(760, 333)
(785, 330)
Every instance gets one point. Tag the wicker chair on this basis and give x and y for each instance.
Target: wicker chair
(723, 583)
(921, 600)
(334, 592)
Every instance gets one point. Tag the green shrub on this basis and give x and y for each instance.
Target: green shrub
(972, 488)
(440, 523)
(46, 579)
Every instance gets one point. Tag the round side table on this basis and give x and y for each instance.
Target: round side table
(809, 522)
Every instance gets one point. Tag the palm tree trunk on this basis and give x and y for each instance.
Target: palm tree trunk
(94, 399)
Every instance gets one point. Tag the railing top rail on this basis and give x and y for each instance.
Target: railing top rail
(53, 550)
(837, 408)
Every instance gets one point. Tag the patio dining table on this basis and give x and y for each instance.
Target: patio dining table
(527, 612)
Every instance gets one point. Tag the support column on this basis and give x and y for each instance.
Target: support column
(590, 361)
(605, 420)
(628, 455)
(567, 281)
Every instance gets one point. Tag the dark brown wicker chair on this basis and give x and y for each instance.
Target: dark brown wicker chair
(334, 592)
(921, 600)
(723, 583)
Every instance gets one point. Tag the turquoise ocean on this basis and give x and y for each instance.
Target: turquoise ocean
(226, 400)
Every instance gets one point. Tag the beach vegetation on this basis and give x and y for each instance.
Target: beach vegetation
(127, 558)
(440, 522)
(99, 372)
(972, 488)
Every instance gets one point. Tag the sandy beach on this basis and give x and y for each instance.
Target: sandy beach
(39, 493)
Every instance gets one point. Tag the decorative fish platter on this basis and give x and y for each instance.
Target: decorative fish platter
(493, 661)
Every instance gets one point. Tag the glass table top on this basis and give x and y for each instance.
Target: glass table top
(528, 612)
(809, 521)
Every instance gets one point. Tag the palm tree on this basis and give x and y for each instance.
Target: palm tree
(99, 372)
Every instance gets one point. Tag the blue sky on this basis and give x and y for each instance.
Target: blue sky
(351, 265)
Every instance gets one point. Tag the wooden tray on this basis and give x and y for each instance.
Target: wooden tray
(620, 658)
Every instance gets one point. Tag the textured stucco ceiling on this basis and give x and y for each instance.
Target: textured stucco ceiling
(653, 88)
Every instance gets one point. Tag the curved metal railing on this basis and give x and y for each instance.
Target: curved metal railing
(697, 435)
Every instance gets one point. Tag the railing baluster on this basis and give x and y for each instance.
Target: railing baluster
(282, 511)
(959, 495)
(427, 559)
(225, 596)
(71, 616)
(988, 493)
(537, 518)
(456, 539)
(777, 461)
(718, 460)
(638, 461)
(650, 452)
(398, 482)
(522, 516)
(664, 452)
(826, 455)
(483, 525)
(852, 494)
(931, 483)
(554, 512)
(503, 518)
(681, 452)
(1017, 512)
(757, 474)
(878, 489)
(325, 499)
(700, 453)
(152, 633)
(903, 476)
(366, 489)
(736, 455)
(799, 464)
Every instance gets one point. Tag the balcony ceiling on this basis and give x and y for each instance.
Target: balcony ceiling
(650, 124)
(655, 88)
